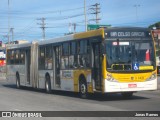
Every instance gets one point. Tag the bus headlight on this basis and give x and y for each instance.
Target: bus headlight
(152, 77)
(110, 78)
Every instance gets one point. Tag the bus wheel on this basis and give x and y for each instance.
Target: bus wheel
(83, 89)
(17, 81)
(127, 95)
(48, 84)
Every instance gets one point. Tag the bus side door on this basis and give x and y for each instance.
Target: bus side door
(96, 70)
(57, 54)
(28, 62)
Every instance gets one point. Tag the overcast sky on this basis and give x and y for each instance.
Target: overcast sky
(60, 14)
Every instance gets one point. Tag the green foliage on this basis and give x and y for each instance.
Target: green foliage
(157, 25)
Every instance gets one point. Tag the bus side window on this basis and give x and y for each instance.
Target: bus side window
(17, 55)
(73, 55)
(12, 57)
(48, 57)
(42, 58)
(22, 56)
(83, 56)
(8, 57)
(80, 52)
(65, 56)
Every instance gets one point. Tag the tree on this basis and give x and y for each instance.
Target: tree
(157, 25)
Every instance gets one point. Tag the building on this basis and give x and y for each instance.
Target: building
(156, 34)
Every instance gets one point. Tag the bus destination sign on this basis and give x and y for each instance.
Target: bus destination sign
(127, 34)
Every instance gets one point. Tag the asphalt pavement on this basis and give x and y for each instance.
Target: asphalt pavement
(29, 99)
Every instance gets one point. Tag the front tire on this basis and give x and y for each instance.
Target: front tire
(83, 89)
(48, 84)
(17, 81)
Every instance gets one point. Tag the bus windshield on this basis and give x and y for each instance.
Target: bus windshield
(130, 55)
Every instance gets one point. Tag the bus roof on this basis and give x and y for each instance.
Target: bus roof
(76, 36)
(14, 46)
(56, 40)
(92, 33)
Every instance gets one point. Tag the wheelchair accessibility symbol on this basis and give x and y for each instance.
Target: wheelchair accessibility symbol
(136, 66)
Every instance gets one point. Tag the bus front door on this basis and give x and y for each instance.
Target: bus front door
(96, 71)
(57, 60)
(28, 62)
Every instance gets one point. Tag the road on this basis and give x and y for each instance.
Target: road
(27, 99)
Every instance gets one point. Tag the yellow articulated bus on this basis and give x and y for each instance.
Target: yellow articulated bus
(114, 60)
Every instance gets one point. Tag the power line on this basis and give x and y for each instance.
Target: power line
(25, 29)
(45, 12)
(65, 17)
(30, 25)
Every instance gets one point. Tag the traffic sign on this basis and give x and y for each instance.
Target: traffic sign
(96, 26)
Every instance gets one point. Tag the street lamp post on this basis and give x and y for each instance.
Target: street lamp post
(136, 6)
(8, 22)
(85, 15)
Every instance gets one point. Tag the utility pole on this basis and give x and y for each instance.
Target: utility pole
(136, 6)
(72, 25)
(8, 21)
(85, 16)
(42, 27)
(96, 11)
(11, 30)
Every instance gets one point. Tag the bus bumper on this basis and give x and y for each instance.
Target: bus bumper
(130, 86)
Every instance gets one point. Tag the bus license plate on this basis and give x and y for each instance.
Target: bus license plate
(132, 85)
